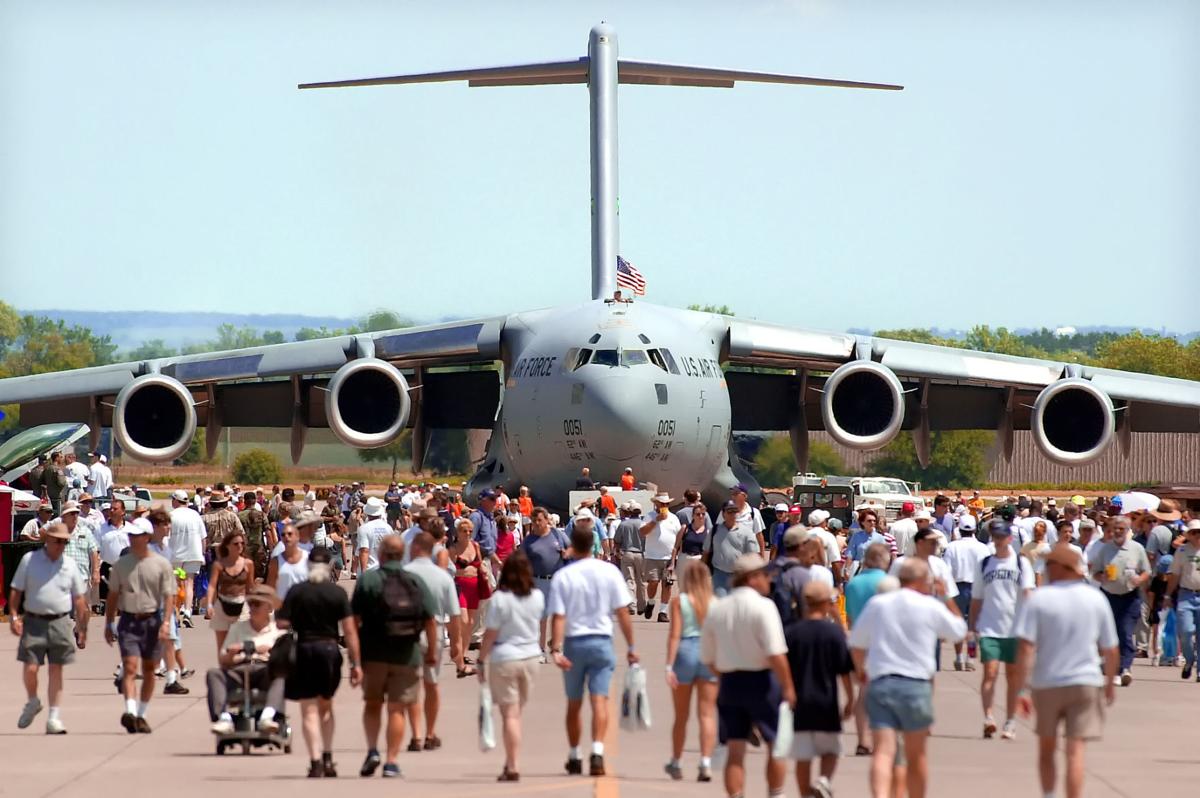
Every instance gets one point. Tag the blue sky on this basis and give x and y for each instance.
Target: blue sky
(1040, 168)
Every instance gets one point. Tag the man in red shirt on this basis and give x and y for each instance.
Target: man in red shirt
(627, 480)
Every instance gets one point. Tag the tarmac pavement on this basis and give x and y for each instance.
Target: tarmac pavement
(1150, 747)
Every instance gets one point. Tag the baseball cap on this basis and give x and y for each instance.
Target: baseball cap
(835, 525)
(781, 507)
(739, 488)
(967, 523)
(141, 526)
(729, 505)
(1052, 502)
(998, 526)
(1193, 525)
(794, 537)
(923, 515)
(1078, 500)
(487, 493)
(748, 564)
(584, 514)
(180, 496)
(796, 509)
(817, 517)
(1087, 523)
(908, 507)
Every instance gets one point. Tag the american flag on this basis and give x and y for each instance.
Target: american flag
(629, 277)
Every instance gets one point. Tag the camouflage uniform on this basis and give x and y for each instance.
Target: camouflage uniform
(255, 523)
(220, 523)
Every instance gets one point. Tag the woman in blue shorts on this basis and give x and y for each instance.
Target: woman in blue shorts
(684, 669)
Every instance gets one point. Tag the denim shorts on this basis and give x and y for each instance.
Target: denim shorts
(900, 703)
(688, 668)
(963, 599)
(592, 664)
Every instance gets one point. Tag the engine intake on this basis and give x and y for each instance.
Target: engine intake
(368, 403)
(1073, 422)
(154, 418)
(863, 405)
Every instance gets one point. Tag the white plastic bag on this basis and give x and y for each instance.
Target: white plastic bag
(784, 733)
(487, 732)
(635, 701)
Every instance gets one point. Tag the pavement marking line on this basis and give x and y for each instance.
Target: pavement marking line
(607, 786)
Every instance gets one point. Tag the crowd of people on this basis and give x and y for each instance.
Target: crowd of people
(812, 620)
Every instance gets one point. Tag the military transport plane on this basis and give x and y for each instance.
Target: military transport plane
(609, 383)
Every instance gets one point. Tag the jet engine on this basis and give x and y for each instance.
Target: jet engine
(1073, 422)
(154, 418)
(368, 403)
(863, 405)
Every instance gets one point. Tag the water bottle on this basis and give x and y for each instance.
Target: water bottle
(972, 647)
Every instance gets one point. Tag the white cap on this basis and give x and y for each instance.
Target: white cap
(967, 523)
(922, 515)
(584, 514)
(144, 525)
(817, 517)
(103, 458)
(781, 507)
(374, 507)
(180, 496)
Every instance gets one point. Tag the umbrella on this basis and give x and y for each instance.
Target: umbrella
(1136, 500)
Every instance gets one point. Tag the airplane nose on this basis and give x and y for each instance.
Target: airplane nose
(615, 406)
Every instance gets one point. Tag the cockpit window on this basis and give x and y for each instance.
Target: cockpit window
(605, 357)
(671, 367)
(582, 359)
(657, 359)
(633, 357)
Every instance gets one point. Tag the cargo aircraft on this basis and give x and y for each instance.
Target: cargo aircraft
(609, 383)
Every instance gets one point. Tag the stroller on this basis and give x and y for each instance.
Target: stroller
(245, 704)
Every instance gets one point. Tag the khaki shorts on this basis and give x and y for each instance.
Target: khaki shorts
(512, 681)
(808, 745)
(656, 570)
(44, 640)
(430, 672)
(397, 684)
(220, 621)
(1080, 706)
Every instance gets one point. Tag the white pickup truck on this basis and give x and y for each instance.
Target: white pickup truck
(886, 494)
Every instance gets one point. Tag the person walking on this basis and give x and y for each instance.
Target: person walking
(314, 610)
(964, 556)
(547, 548)
(186, 545)
(1002, 582)
(728, 541)
(861, 588)
(392, 609)
(440, 585)
(510, 651)
(369, 535)
(1121, 568)
(686, 673)
(471, 582)
(291, 566)
(583, 601)
(659, 533)
(229, 581)
(893, 644)
(742, 642)
(51, 586)
(142, 588)
(693, 534)
(81, 548)
(629, 546)
(818, 658)
(1066, 632)
(1184, 576)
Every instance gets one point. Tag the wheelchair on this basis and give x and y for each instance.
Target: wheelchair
(245, 704)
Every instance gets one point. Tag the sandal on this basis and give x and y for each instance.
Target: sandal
(467, 671)
(415, 745)
(509, 775)
(862, 750)
(433, 742)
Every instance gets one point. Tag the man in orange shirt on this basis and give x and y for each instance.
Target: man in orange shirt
(627, 480)
(608, 505)
(976, 504)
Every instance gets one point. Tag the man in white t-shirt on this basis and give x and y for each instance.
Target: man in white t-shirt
(584, 599)
(818, 526)
(659, 534)
(893, 643)
(1002, 581)
(904, 528)
(186, 547)
(925, 545)
(963, 555)
(100, 481)
(310, 497)
(366, 546)
(1066, 629)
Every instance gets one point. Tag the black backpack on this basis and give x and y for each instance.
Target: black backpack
(787, 602)
(403, 608)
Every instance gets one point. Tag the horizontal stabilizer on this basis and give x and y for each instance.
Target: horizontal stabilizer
(576, 71)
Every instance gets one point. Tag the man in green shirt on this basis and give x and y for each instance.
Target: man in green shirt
(392, 607)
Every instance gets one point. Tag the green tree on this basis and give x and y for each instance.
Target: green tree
(150, 350)
(958, 459)
(1002, 342)
(918, 336)
(272, 337)
(774, 465)
(824, 459)
(397, 450)
(311, 334)
(721, 310)
(447, 452)
(230, 337)
(1151, 354)
(257, 466)
(197, 450)
(380, 320)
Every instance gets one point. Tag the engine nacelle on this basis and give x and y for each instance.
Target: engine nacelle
(154, 418)
(1073, 422)
(863, 405)
(368, 403)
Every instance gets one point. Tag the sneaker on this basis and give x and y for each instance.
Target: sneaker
(823, 788)
(129, 722)
(674, 771)
(704, 774)
(1126, 678)
(989, 728)
(369, 764)
(223, 726)
(596, 765)
(1010, 730)
(391, 771)
(958, 666)
(186, 620)
(175, 688)
(161, 673)
(662, 618)
(970, 665)
(1117, 681)
(32, 707)
(648, 611)
(574, 767)
(1180, 661)
(55, 726)
(269, 725)
(187, 673)
(544, 658)
(119, 683)
(142, 726)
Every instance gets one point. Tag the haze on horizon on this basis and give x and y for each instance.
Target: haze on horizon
(1039, 168)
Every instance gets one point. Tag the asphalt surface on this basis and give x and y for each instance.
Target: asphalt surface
(1150, 748)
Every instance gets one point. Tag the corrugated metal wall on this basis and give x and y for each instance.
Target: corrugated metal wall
(1153, 457)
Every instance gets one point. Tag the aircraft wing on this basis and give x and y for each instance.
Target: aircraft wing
(843, 384)
(281, 385)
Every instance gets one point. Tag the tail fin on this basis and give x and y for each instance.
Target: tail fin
(602, 70)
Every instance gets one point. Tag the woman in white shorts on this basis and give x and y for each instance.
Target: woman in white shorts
(510, 645)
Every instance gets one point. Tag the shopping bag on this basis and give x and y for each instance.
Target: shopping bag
(487, 732)
(782, 747)
(1169, 648)
(635, 701)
